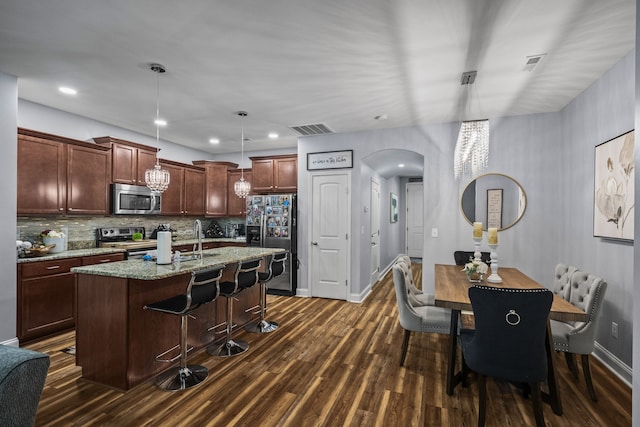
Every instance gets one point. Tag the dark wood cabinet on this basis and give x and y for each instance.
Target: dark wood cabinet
(60, 175)
(216, 182)
(236, 206)
(274, 174)
(88, 180)
(129, 160)
(46, 295)
(186, 192)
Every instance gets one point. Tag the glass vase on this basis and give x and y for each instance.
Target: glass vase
(474, 277)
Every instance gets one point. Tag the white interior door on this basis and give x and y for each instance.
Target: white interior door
(415, 219)
(330, 230)
(375, 232)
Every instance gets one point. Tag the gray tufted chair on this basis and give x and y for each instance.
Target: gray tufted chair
(562, 280)
(587, 292)
(416, 319)
(417, 297)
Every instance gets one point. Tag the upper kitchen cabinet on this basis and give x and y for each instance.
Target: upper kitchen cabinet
(58, 175)
(236, 206)
(129, 160)
(274, 174)
(216, 182)
(186, 192)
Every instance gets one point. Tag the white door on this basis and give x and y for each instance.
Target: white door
(375, 232)
(330, 230)
(415, 219)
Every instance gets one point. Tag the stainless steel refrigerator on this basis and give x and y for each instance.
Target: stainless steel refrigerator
(271, 223)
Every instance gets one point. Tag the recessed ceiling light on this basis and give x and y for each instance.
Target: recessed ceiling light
(160, 122)
(401, 165)
(67, 90)
(273, 135)
(214, 141)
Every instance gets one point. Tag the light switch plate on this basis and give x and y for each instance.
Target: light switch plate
(434, 232)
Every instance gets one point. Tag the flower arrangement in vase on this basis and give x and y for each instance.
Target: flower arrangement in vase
(53, 237)
(475, 270)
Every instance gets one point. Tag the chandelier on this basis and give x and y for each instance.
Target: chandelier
(157, 179)
(471, 155)
(242, 188)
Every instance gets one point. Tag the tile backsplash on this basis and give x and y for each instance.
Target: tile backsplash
(81, 231)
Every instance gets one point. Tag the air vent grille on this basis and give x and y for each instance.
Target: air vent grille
(314, 129)
(532, 62)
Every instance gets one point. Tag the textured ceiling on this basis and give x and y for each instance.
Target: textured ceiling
(295, 62)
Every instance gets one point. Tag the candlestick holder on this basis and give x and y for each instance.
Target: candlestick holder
(494, 277)
(477, 255)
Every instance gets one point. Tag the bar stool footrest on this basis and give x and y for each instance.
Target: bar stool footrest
(176, 357)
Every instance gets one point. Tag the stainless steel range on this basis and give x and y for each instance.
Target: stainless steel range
(122, 238)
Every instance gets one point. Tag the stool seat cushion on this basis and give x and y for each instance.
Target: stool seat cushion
(227, 288)
(175, 305)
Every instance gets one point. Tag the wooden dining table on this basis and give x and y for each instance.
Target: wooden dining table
(452, 291)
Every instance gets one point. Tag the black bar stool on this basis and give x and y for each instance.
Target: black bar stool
(245, 277)
(202, 288)
(276, 268)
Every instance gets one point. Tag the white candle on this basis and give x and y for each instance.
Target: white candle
(477, 230)
(492, 236)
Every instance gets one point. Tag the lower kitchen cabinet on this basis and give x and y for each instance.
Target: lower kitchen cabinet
(46, 295)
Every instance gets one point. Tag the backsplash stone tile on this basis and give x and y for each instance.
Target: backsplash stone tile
(81, 231)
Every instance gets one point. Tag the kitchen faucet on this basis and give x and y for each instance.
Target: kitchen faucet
(197, 230)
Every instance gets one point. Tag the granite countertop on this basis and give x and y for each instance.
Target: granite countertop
(102, 251)
(149, 270)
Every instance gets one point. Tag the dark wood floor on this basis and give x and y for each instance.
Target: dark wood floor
(330, 363)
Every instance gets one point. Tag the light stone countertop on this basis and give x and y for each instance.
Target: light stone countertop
(149, 270)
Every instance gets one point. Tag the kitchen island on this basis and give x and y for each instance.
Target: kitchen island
(117, 341)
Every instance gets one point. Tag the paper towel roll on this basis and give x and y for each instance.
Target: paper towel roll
(164, 247)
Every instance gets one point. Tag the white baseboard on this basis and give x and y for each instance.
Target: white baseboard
(13, 342)
(615, 365)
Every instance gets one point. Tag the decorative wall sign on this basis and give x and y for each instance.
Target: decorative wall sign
(330, 160)
(393, 212)
(494, 208)
(614, 188)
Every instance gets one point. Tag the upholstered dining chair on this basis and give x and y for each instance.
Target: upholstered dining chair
(462, 257)
(428, 319)
(508, 342)
(562, 280)
(417, 297)
(587, 292)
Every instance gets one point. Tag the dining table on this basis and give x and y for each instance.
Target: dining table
(452, 291)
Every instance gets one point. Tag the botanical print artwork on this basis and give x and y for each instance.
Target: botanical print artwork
(614, 188)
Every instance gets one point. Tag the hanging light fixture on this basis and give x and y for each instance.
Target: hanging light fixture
(157, 179)
(242, 187)
(471, 155)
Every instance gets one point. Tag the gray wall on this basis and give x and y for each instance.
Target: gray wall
(8, 188)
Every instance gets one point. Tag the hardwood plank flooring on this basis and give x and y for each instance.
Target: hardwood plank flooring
(331, 363)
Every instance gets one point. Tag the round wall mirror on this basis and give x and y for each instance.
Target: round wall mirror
(494, 199)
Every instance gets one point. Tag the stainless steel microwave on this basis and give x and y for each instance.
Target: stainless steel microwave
(134, 200)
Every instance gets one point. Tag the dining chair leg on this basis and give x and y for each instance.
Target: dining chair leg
(482, 399)
(571, 363)
(536, 397)
(405, 345)
(586, 369)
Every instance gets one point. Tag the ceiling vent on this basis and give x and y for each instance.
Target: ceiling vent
(317, 129)
(532, 62)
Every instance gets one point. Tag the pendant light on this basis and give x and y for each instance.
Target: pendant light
(157, 179)
(471, 155)
(242, 187)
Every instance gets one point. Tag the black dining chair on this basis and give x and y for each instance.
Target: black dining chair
(508, 342)
(463, 257)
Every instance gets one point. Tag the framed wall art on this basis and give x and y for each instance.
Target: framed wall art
(393, 212)
(330, 160)
(614, 188)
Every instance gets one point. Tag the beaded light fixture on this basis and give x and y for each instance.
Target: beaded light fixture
(471, 155)
(157, 179)
(242, 188)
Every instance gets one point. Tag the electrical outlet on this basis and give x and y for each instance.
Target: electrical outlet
(614, 329)
(434, 232)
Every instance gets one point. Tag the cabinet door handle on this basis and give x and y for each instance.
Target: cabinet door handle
(105, 260)
(53, 267)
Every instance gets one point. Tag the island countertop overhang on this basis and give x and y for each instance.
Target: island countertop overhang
(149, 270)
